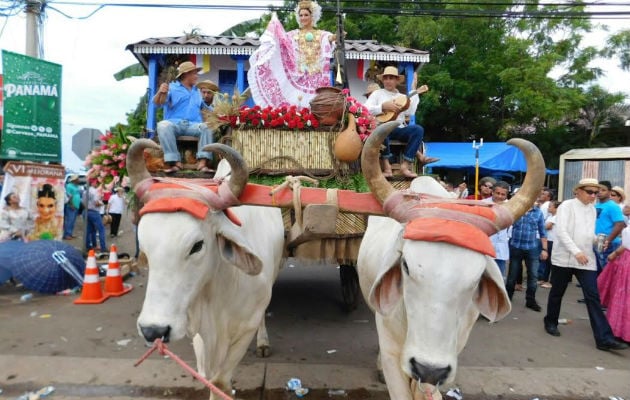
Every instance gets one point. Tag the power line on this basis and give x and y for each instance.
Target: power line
(407, 8)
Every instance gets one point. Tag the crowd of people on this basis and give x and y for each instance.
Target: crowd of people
(586, 237)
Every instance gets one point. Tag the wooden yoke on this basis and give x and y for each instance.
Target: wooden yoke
(348, 200)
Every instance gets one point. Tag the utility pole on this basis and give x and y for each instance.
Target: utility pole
(33, 10)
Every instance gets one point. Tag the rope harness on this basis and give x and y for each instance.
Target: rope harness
(163, 350)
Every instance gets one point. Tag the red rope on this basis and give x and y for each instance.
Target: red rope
(159, 345)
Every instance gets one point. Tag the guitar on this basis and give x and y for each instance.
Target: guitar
(402, 101)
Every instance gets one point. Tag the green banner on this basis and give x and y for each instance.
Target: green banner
(31, 128)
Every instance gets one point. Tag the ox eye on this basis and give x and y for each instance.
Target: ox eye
(196, 247)
(405, 267)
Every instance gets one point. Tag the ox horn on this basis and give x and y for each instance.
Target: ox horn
(534, 181)
(370, 165)
(136, 168)
(239, 174)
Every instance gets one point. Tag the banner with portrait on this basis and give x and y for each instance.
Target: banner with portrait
(31, 127)
(41, 191)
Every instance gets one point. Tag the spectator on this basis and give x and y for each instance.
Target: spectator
(618, 195)
(115, 208)
(94, 219)
(527, 233)
(573, 255)
(614, 288)
(500, 240)
(545, 267)
(609, 222)
(486, 184)
(370, 89)
(182, 116)
(545, 198)
(71, 208)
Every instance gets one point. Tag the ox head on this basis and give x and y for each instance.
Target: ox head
(189, 241)
(439, 273)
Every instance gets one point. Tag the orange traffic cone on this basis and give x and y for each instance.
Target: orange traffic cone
(113, 281)
(91, 292)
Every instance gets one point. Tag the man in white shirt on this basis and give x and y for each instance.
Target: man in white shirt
(383, 101)
(573, 255)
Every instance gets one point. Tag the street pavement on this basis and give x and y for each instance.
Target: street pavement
(89, 351)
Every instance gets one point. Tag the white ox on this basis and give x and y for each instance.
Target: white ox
(209, 278)
(426, 291)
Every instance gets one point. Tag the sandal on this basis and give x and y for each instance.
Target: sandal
(388, 174)
(174, 168)
(206, 170)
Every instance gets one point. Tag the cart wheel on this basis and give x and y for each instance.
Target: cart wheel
(349, 287)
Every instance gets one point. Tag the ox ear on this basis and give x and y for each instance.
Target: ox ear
(387, 288)
(492, 300)
(239, 255)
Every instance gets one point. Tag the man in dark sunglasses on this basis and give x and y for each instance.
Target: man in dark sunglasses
(573, 254)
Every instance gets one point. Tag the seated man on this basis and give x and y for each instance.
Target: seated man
(381, 101)
(182, 104)
(208, 89)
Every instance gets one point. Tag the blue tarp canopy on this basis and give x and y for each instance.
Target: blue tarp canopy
(493, 156)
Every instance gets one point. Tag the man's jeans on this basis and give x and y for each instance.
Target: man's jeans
(69, 219)
(412, 134)
(531, 258)
(94, 224)
(168, 132)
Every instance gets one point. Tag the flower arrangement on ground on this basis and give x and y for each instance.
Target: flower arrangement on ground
(108, 163)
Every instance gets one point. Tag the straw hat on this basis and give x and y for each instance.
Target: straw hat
(619, 190)
(186, 67)
(370, 88)
(393, 71)
(208, 84)
(73, 178)
(586, 182)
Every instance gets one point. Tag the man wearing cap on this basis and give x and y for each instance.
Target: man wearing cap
(573, 255)
(381, 101)
(208, 89)
(71, 208)
(609, 222)
(182, 104)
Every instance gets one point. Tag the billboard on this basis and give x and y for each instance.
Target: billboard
(31, 127)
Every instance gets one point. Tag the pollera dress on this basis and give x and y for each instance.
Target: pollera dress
(288, 67)
(614, 290)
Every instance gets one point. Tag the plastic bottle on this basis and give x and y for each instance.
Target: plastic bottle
(564, 321)
(26, 297)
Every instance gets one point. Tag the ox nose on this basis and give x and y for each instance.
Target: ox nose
(432, 374)
(153, 332)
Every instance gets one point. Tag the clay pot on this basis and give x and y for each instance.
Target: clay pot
(328, 105)
(348, 145)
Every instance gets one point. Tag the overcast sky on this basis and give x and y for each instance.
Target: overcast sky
(91, 50)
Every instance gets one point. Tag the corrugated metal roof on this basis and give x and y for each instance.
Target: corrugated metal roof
(232, 45)
(597, 153)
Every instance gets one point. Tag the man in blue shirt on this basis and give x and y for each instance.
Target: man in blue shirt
(609, 222)
(528, 232)
(182, 104)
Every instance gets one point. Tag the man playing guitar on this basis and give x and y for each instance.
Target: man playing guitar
(383, 101)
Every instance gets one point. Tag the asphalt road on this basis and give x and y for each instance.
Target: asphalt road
(88, 351)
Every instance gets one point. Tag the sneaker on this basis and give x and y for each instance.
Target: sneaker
(545, 285)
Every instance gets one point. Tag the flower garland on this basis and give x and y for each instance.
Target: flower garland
(289, 117)
(108, 163)
(230, 111)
